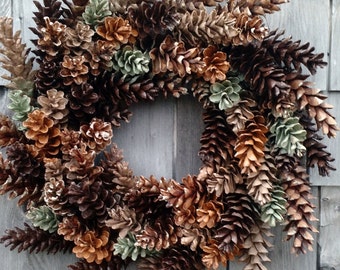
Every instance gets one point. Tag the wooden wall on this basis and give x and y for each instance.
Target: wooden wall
(160, 141)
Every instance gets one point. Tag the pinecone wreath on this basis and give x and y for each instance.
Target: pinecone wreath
(97, 57)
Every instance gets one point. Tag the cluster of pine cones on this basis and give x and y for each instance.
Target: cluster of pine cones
(97, 57)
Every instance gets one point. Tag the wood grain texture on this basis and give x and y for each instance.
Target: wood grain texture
(330, 228)
(335, 52)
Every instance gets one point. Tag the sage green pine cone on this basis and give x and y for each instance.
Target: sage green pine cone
(96, 11)
(131, 63)
(226, 93)
(274, 211)
(126, 248)
(289, 136)
(20, 105)
(44, 218)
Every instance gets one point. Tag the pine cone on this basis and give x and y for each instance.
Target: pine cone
(131, 63)
(236, 222)
(212, 256)
(201, 91)
(216, 64)
(292, 53)
(275, 210)
(74, 70)
(117, 174)
(123, 219)
(70, 228)
(127, 247)
(117, 31)
(217, 140)
(43, 217)
(42, 131)
(182, 195)
(194, 237)
(93, 247)
(47, 76)
(258, 7)
(53, 105)
(97, 134)
(35, 240)
(311, 99)
(316, 153)
(15, 58)
(95, 12)
(78, 38)
(260, 182)
(92, 200)
(209, 213)
(8, 131)
(99, 55)
(238, 115)
(116, 263)
(250, 28)
(173, 56)
(289, 136)
(225, 180)
(49, 8)
(83, 102)
(255, 248)
(203, 27)
(176, 258)
(27, 176)
(226, 93)
(299, 210)
(55, 195)
(52, 38)
(20, 105)
(153, 18)
(250, 145)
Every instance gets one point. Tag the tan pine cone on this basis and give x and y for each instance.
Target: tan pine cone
(52, 37)
(250, 145)
(117, 31)
(54, 105)
(212, 256)
(173, 56)
(124, 220)
(93, 246)
(194, 237)
(42, 131)
(74, 70)
(209, 213)
(260, 183)
(182, 195)
(299, 210)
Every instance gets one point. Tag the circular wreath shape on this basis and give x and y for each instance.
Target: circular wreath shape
(95, 59)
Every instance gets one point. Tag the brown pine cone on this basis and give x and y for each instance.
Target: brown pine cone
(70, 228)
(74, 70)
(8, 131)
(212, 256)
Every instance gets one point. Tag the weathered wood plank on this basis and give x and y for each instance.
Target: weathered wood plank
(147, 141)
(5, 10)
(329, 228)
(189, 127)
(335, 53)
(308, 22)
